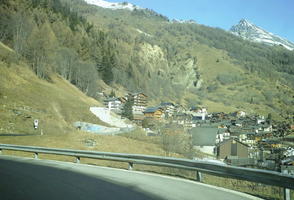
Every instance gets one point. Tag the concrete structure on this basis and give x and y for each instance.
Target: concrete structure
(232, 147)
(101, 130)
(204, 139)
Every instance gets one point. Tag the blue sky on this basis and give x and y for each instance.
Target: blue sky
(276, 16)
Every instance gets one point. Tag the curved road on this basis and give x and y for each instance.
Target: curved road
(25, 178)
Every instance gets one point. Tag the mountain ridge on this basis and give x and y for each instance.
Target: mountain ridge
(185, 63)
(243, 29)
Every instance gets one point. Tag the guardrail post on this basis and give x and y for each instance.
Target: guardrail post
(36, 155)
(286, 191)
(198, 176)
(78, 159)
(131, 165)
(287, 194)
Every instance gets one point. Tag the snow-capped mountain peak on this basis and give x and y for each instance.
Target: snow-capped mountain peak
(249, 31)
(112, 5)
(244, 22)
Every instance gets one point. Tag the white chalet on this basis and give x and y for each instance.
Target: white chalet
(115, 104)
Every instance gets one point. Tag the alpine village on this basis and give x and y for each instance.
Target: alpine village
(115, 77)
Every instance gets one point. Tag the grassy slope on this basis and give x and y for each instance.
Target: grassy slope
(235, 96)
(24, 98)
(57, 104)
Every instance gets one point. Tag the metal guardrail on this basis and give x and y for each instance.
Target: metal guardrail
(248, 174)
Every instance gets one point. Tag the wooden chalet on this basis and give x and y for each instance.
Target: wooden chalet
(154, 112)
(140, 102)
(138, 119)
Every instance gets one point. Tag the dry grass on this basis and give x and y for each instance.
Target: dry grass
(7, 54)
(57, 104)
(256, 189)
(77, 139)
(219, 107)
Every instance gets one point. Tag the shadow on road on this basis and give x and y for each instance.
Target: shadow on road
(27, 181)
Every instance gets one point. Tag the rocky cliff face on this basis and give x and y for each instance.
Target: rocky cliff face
(156, 71)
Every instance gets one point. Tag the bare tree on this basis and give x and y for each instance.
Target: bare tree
(21, 28)
(84, 76)
(65, 60)
(41, 48)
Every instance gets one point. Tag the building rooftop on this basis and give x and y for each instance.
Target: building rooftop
(151, 109)
(167, 104)
(137, 93)
(122, 99)
(202, 136)
(112, 99)
(225, 141)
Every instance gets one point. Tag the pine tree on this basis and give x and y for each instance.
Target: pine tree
(112, 94)
(269, 118)
(128, 109)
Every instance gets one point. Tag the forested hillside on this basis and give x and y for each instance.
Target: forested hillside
(141, 50)
(53, 39)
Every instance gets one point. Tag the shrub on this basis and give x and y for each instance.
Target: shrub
(212, 88)
(269, 95)
(227, 78)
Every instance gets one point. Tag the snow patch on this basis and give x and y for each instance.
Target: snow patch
(180, 21)
(113, 5)
(108, 117)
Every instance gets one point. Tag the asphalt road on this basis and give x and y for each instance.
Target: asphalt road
(29, 179)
